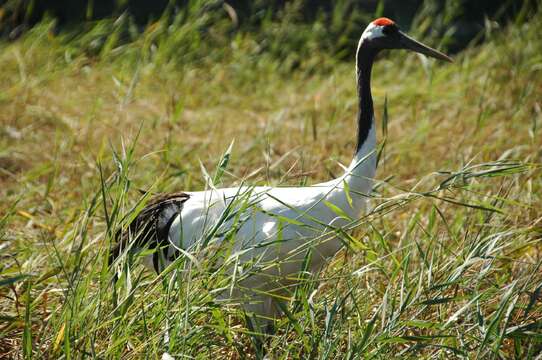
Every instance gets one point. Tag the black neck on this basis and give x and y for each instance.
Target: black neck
(365, 58)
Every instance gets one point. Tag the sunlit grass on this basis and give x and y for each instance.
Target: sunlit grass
(448, 263)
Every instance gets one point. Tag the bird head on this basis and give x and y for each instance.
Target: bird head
(384, 33)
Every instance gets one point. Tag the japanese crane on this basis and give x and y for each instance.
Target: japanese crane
(274, 227)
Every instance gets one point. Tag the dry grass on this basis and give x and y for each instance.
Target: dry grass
(419, 264)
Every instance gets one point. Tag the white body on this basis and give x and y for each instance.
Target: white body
(311, 224)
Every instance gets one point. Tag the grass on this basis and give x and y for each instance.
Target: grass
(447, 264)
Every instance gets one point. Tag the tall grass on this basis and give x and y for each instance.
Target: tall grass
(445, 264)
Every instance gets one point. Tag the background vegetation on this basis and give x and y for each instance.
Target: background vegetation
(447, 264)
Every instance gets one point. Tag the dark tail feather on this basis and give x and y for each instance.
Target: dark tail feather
(151, 226)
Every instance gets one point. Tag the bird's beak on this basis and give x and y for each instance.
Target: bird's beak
(409, 43)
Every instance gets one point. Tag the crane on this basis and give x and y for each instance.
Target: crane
(272, 230)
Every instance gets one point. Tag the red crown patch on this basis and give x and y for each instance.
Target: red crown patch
(383, 21)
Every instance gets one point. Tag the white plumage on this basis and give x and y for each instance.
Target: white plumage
(311, 219)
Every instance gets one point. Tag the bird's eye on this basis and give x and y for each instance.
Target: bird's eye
(390, 29)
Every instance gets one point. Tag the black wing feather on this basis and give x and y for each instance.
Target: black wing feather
(150, 227)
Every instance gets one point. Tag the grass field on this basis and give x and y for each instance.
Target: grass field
(446, 265)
